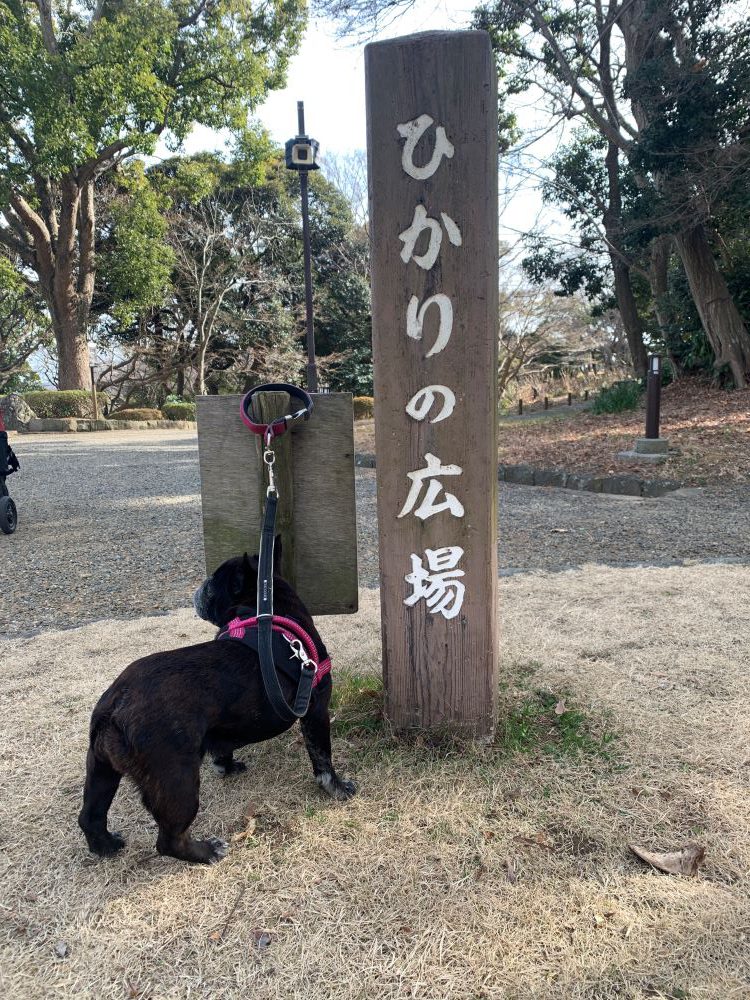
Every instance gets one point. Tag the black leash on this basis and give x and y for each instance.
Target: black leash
(289, 713)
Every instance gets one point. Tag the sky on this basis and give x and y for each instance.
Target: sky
(329, 76)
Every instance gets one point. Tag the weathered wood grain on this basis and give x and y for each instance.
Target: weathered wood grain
(437, 671)
(267, 406)
(233, 488)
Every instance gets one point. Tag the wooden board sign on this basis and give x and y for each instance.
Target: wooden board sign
(432, 159)
(315, 476)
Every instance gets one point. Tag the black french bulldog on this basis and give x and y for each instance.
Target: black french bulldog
(166, 711)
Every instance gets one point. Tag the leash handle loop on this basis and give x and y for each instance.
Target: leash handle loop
(280, 425)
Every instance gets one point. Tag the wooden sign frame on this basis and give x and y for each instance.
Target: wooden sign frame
(317, 517)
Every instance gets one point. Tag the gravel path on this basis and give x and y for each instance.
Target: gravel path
(110, 526)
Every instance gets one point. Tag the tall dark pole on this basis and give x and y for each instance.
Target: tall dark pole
(653, 396)
(312, 371)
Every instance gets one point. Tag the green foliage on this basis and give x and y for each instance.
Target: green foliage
(135, 263)
(140, 67)
(87, 86)
(544, 723)
(364, 407)
(60, 403)
(618, 397)
(23, 381)
(340, 253)
(138, 413)
(178, 411)
(23, 327)
(357, 704)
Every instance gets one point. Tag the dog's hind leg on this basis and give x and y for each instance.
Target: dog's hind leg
(102, 782)
(316, 728)
(174, 804)
(224, 763)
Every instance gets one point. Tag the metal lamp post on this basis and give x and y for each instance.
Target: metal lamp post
(653, 396)
(651, 448)
(301, 155)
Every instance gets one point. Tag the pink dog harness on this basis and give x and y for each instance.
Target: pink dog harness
(301, 646)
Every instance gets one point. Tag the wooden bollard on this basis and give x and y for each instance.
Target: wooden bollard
(520, 407)
(432, 157)
(546, 402)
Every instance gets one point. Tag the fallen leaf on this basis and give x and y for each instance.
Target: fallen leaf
(598, 920)
(538, 840)
(61, 949)
(215, 936)
(560, 707)
(686, 861)
(245, 834)
(510, 871)
(627, 930)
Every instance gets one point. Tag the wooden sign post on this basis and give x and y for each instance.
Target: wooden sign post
(432, 154)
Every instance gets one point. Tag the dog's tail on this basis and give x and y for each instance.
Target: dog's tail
(107, 736)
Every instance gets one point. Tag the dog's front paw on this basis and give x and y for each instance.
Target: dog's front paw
(216, 850)
(105, 844)
(335, 787)
(228, 765)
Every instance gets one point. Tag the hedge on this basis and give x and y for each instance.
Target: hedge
(363, 407)
(178, 411)
(137, 414)
(60, 402)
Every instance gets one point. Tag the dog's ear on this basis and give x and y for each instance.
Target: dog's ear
(277, 554)
(246, 573)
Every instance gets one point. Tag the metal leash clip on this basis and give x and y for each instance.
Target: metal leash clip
(300, 653)
(269, 457)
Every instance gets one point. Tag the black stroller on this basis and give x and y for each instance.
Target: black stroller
(8, 465)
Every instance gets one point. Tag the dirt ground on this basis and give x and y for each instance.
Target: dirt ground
(708, 429)
(495, 872)
(110, 527)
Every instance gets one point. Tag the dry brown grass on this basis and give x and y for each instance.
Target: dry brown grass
(453, 875)
(710, 427)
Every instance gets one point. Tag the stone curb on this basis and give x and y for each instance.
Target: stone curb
(631, 486)
(41, 425)
(526, 475)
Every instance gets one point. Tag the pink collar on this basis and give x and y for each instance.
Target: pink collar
(292, 630)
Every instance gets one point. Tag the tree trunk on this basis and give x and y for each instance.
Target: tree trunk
(72, 352)
(626, 303)
(661, 249)
(719, 315)
(631, 320)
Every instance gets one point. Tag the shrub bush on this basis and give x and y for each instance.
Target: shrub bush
(619, 396)
(61, 402)
(363, 407)
(136, 414)
(178, 411)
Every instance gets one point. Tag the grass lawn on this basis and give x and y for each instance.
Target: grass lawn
(489, 872)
